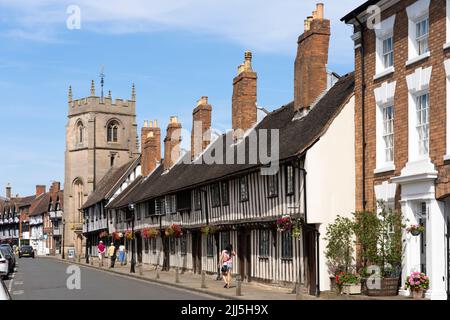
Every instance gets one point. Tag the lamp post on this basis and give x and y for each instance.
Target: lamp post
(63, 237)
(133, 259)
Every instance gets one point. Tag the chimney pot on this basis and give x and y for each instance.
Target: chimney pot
(172, 141)
(8, 191)
(145, 123)
(320, 10)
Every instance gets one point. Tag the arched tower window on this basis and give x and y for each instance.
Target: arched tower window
(78, 194)
(113, 131)
(80, 132)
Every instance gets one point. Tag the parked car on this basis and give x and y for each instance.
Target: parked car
(4, 266)
(11, 251)
(8, 255)
(4, 293)
(26, 251)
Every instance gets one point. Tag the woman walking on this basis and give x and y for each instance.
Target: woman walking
(226, 261)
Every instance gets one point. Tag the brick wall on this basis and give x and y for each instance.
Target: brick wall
(437, 93)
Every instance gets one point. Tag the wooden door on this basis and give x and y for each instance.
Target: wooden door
(244, 254)
(139, 247)
(197, 252)
(310, 260)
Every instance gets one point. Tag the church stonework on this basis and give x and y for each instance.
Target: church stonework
(100, 133)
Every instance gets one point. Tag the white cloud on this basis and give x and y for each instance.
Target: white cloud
(271, 26)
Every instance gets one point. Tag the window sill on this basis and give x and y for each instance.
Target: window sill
(384, 73)
(386, 168)
(447, 157)
(419, 58)
(447, 45)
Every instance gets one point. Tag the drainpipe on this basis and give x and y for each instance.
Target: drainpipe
(363, 106)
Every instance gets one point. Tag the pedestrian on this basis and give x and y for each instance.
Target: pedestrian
(122, 254)
(101, 253)
(226, 264)
(112, 254)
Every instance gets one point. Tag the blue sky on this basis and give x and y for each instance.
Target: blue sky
(174, 51)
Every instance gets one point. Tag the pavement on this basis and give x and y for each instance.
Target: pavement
(48, 278)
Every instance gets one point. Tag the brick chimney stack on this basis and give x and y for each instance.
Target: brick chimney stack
(172, 150)
(56, 186)
(151, 146)
(40, 189)
(8, 191)
(201, 127)
(244, 96)
(310, 74)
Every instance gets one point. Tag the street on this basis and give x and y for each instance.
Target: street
(45, 279)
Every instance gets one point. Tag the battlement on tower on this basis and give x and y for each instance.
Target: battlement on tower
(95, 103)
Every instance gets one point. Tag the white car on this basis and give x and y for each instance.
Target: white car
(4, 266)
(4, 293)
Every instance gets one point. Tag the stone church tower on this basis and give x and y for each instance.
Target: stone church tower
(100, 133)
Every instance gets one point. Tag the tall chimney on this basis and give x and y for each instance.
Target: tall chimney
(201, 127)
(244, 96)
(310, 75)
(172, 142)
(56, 186)
(40, 189)
(151, 147)
(8, 191)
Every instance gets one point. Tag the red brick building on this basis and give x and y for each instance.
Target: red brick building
(402, 118)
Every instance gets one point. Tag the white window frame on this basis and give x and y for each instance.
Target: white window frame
(418, 85)
(383, 31)
(416, 12)
(384, 96)
(423, 122)
(388, 133)
(426, 36)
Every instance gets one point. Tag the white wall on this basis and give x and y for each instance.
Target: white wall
(330, 181)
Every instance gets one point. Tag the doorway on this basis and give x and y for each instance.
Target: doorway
(310, 259)
(166, 250)
(197, 252)
(244, 254)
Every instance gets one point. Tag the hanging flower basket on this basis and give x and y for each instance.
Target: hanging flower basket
(116, 235)
(149, 233)
(129, 235)
(174, 231)
(103, 234)
(415, 229)
(209, 230)
(284, 223)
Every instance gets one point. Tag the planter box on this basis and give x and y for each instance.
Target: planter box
(417, 294)
(351, 289)
(388, 287)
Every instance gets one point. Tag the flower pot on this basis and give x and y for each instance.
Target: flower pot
(417, 293)
(388, 287)
(351, 288)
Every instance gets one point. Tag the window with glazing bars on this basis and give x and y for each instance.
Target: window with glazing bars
(422, 112)
(388, 132)
(422, 30)
(388, 52)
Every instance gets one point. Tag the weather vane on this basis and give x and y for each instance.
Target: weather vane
(102, 78)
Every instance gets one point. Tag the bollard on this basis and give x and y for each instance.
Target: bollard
(177, 275)
(238, 286)
(298, 291)
(157, 273)
(204, 280)
(91, 261)
(141, 271)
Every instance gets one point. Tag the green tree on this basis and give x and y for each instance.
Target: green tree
(340, 245)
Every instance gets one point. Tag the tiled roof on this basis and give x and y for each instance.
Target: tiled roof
(295, 137)
(110, 179)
